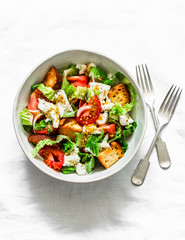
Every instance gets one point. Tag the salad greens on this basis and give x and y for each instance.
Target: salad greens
(26, 119)
(97, 73)
(92, 143)
(72, 70)
(68, 170)
(88, 159)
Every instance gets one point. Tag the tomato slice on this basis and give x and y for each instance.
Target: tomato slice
(110, 129)
(91, 114)
(78, 78)
(45, 130)
(82, 103)
(53, 157)
(79, 84)
(33, 103)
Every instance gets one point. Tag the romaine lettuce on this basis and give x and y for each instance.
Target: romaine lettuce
(26, 117)
(68, 170)
(97, 73)
(92, 143)
(47, 91)
(73, 71)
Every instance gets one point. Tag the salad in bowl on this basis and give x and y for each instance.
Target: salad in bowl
(79, 116)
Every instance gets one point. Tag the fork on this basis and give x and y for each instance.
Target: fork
(165, 114)
(144, 81)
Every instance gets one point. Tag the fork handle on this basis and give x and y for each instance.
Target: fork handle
(162, 153)
(162, 150)
(140, 173)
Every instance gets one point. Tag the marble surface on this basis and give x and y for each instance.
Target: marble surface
(35, 206)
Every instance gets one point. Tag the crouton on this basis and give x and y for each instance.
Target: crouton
(109, 156)
(119, 94)
(53, 79)
(69, 128)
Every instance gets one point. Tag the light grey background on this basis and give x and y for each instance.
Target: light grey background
(35, 206)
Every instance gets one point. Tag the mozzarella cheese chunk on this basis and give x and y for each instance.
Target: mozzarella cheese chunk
(62, 103)
(90, 129)
(103, 88)
(104, 143)
(107, 105)
(81, 169)
(125, 120)
(102, 119)
(82, 68)
(50, 110)
(72, 159)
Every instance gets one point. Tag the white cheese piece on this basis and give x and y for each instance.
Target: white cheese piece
(104, 143)
(81, 169)
(102, 119)
(82, 68)
(72, 159)
(90, 129)
(103, 88)
(107, 104)
(62, 103)
(125, 120)
(50, 110)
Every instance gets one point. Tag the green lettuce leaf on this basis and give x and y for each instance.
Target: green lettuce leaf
(47, 91)
(110, 82)
(26, 117)
(92, 143)
(73, 70)
(68, 146)
(89, 161)
(68, 170)
(129, 129)
(68, 88)
(49, 142)
(69, 114)
(116, 111)
(97, 73)
(33, 87)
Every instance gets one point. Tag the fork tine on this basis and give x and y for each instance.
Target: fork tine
(141, 79)
(151, 86)
(170, 100)
(137, 76)
(164, 101)
(146, 81)
(175, 104)
(173, 101)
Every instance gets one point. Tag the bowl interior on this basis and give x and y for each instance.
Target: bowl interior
(60, 60)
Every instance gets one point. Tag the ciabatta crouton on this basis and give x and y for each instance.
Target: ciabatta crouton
(119, 94)
(109, 156)
(69, 128)
(53, 79)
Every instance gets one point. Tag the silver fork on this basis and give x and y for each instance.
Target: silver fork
(165, 114)
(145, 84)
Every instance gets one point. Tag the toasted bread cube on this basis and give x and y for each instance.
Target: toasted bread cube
(109, 156)
(119, 94)
(69, 128)
(53, 79)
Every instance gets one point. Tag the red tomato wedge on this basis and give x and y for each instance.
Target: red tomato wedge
(33, 103)
(45, 131)
(91, 113)
(78, 78)
(79, 84)
(81, 103)
(110, 129)
(53, 157)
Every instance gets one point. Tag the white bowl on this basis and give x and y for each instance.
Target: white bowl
(63, 59)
